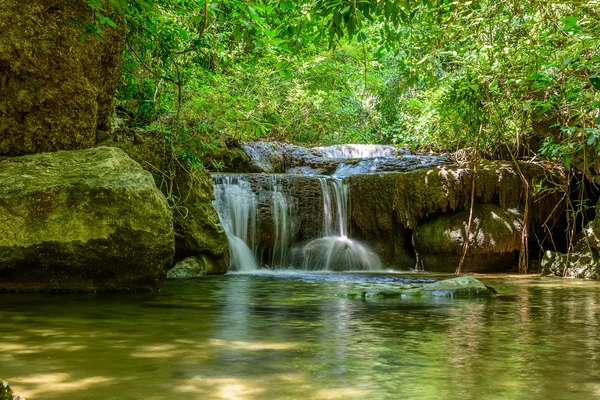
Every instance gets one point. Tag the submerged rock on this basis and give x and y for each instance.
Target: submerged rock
(56, 89)
(461, 287)
(87, 220)
(494, 239)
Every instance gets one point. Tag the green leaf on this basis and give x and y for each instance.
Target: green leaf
(591, 139)
(567, 161)
(595, 80)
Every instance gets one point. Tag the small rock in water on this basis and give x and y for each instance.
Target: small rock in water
(464, 286)
(190, 267)
(461, 287)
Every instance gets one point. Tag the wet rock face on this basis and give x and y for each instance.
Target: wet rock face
(87, 220)
(275, 157)
(55, 89)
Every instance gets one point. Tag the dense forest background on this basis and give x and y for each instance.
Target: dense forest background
(514, 77)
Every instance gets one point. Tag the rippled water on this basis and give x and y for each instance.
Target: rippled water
(289, 336)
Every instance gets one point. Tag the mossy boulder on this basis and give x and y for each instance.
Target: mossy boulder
(87, 220)
(191, 267)
(411, 197)
(56, 89)
(494, 239)
(189, 192)
(386, 207)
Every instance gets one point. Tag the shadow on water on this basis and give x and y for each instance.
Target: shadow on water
(272, 336)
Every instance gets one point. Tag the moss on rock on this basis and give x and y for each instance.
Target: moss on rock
(410, 197)
(461, 287)
(494, 240)
(189, 192)
(87, 220)
(56, 90)
(191, 267)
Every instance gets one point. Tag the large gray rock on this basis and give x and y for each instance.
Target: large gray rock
(494, 239)
(87, 220)
(56, 89)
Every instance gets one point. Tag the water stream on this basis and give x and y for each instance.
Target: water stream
(288, 336)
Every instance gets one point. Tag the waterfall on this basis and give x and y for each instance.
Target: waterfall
(259, 216)
(335, 207)
(236, 205)
(357, 151)
(335, 251)
(283, 225)
(237, 202)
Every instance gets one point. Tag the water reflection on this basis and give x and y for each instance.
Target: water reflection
(272, 337)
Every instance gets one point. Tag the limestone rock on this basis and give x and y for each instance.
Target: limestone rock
(494, 239)
(583, 262)
(55, 89)
(410, 197)
(189, 191)
(87, 220)
(461, 287)
(386, 207)
(191, 267)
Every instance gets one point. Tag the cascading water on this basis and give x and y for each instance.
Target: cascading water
(247, 205)
(283, 225)
(335, 251)
(236, 205)
(357, 151)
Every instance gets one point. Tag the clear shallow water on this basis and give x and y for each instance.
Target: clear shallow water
(287, 336)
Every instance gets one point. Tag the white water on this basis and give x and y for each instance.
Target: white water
(335, 251)
(236, 205)
(357, 151)
(283, 225)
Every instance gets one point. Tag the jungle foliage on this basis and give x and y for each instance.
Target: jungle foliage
(434, 74)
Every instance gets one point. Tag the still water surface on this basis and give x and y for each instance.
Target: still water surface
(290, 337)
